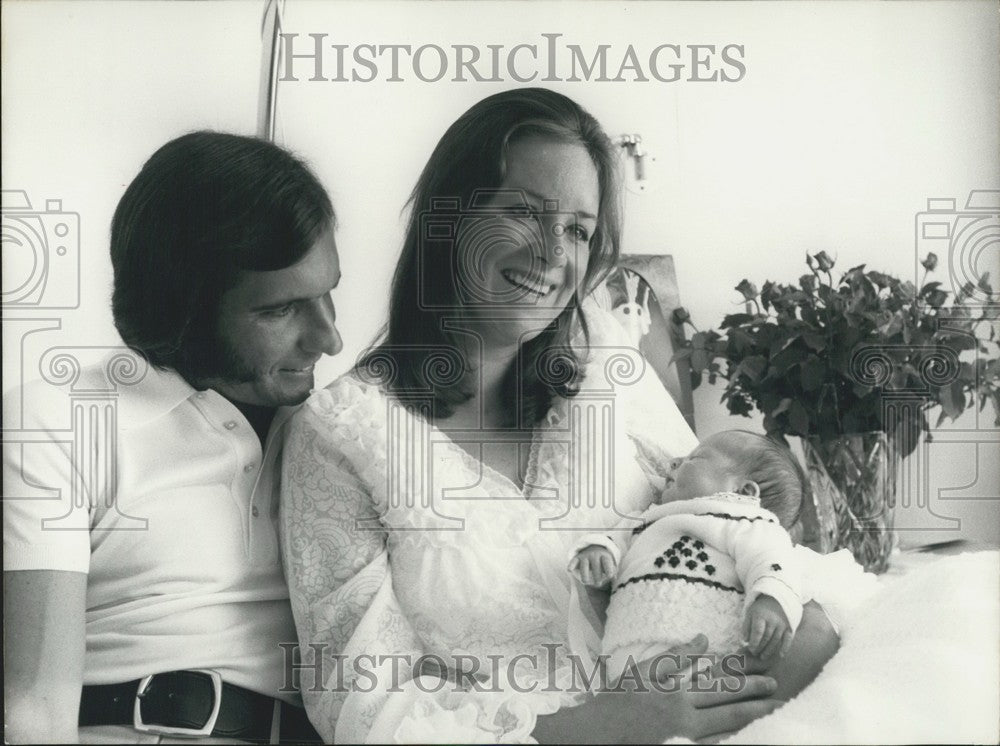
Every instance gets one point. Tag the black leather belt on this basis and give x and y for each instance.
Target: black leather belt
(194, 703)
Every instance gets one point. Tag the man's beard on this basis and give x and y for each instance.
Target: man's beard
(211, 359)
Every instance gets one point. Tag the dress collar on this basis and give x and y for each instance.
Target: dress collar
(733, 497)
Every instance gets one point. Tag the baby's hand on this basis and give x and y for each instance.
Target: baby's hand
(593, 566)
(766, 629)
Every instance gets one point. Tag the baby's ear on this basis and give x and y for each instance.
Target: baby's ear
(749, 487)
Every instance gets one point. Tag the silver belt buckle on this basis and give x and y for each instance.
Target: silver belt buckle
(169, 730)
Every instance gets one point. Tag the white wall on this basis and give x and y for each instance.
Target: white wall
(90, 91)
(849, 117)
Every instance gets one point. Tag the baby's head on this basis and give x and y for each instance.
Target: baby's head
(742, 462)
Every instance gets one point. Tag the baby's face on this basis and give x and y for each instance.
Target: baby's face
(709, 468)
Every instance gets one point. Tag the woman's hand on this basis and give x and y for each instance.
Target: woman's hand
(679, 703)
(813, 645)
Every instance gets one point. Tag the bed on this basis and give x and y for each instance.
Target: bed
(917, 664)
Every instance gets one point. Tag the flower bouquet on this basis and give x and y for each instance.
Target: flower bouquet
(853, 366)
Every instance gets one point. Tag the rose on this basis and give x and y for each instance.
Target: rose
(824, 262)
(797, 347)
(747, 289)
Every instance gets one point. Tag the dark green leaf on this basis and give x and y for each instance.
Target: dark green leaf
(798, 419)
(752, 367)
(936, 298)
(788, 357)
(736, 319)
(952, 400)
(815, 340)
(699, 360)
(880, 280)
(966, 291)
(783, 406)
(767, 293)
(813, 373)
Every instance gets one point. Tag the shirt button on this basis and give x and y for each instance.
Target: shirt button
(254, 511)
(249, 468)
(230, 425)
(200, 395)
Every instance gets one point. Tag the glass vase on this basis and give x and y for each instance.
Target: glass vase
(854, 479)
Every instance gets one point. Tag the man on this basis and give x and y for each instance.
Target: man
(224, 260)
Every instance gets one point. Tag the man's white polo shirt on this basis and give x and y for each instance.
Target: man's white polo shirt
(175, 523)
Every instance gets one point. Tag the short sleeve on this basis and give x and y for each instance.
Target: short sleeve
(46, 516)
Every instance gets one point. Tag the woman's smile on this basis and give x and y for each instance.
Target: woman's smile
(533, 283)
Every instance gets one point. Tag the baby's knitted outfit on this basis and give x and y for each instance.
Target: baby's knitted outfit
(692, 567)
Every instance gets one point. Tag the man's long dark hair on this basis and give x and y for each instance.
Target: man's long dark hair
(470, 157)
(205, 207)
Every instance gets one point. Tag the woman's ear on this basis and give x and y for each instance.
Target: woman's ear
(749, 487)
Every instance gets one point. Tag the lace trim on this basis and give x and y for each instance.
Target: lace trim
(531, 471)
(474, 465)
(732, 497)
(470, 462)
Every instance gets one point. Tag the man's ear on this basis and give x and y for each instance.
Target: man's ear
(749, 487)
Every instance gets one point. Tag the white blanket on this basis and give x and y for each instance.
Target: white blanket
(919, 663)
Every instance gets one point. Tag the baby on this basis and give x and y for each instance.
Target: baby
(713, 557)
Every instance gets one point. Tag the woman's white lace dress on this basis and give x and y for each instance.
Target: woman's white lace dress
(398, 544)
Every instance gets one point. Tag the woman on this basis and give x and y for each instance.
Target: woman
(430, 497)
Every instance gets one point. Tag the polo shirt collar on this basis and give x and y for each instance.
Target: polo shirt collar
(154, 395)
(160, 391)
